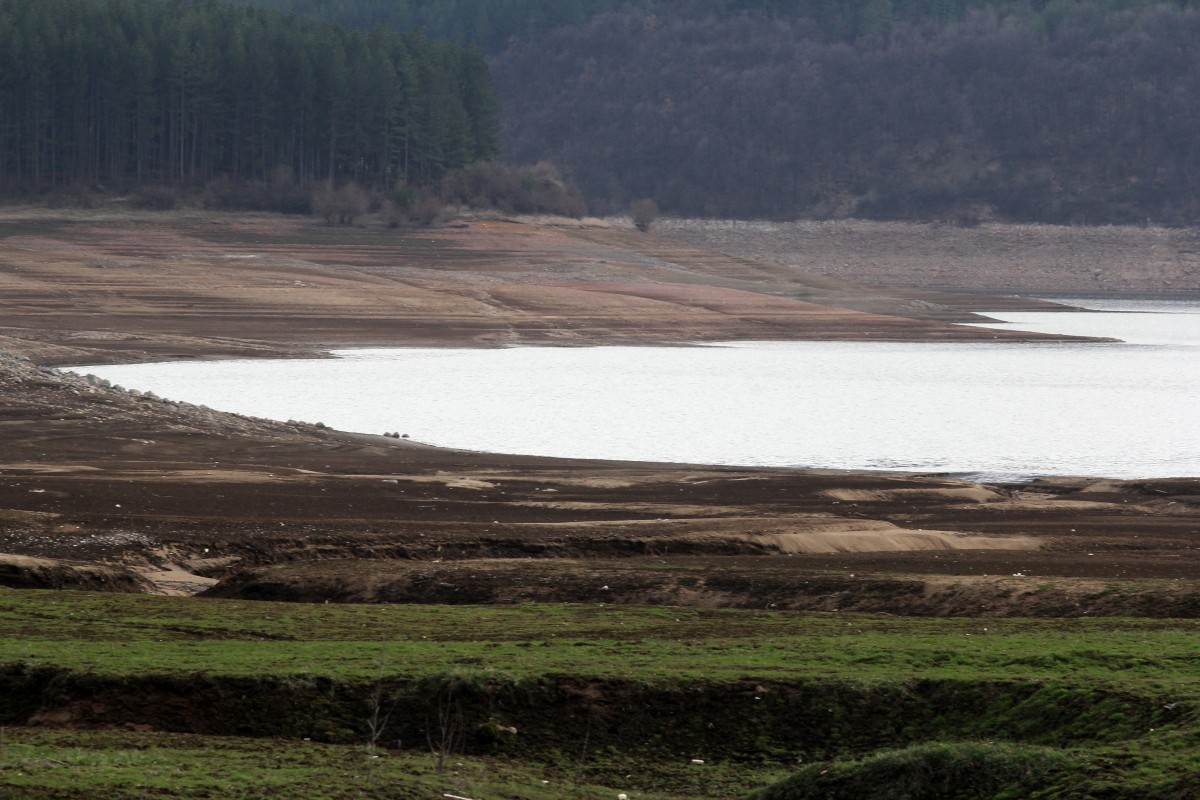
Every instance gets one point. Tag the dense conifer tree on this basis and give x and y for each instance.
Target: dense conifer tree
(117, 92)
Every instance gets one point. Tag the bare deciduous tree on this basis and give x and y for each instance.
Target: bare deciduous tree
(340, 206)
(445, 731)
(377, 719)
(643, 213)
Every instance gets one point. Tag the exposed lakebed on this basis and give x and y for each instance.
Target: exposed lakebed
(1001, 410)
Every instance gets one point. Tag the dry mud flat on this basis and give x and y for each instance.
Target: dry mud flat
(132, 491)
(102, 286)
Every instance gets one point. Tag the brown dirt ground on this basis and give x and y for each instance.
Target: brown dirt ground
(116, 488)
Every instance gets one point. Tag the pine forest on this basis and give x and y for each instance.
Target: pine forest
(137, 92)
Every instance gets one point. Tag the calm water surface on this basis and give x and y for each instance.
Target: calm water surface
(991, 410)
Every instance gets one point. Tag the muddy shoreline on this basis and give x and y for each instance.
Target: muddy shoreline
(134, 493)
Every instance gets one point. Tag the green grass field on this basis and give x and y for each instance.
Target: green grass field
(163, 635)
(1078, 708)
(120, 765)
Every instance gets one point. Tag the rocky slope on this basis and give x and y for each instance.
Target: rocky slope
(1027, 259)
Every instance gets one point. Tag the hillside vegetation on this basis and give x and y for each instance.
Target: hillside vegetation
(1008, 114)
(490, 24)
(100, 93)
(1067, 111)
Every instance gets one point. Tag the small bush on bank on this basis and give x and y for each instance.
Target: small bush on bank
(540, 189)
(154, 198)
(71, 197)
(405, 196)
(428, 210)
(282, 194)
(340, 206)
(393, 215)
(644, 213)
(406, 206)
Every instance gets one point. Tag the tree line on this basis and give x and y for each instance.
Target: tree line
(484, 23)
(491, 24)
(138, 92)
(1046, 110)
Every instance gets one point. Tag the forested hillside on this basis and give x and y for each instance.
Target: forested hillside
(490, 24)
(1053, 110)
(486, 23)
(122, 92)
(1082, 117)
(1081, 111)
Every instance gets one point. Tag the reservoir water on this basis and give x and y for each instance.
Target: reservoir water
(1002, 410)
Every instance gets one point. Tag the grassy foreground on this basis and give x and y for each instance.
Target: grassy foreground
(55, 764)
(156, 635)
(181, 697)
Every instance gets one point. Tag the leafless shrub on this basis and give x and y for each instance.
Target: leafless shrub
(445, 733)
(644, 213)
(281, 193)
(393, 215)
(428, 210)
(340, 206)
(154, 198)
(353, 203)
(540, 189)
(378, 715)
(71, 197)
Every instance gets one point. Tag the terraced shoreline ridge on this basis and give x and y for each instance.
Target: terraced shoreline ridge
(591, 693)
(206, 605)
